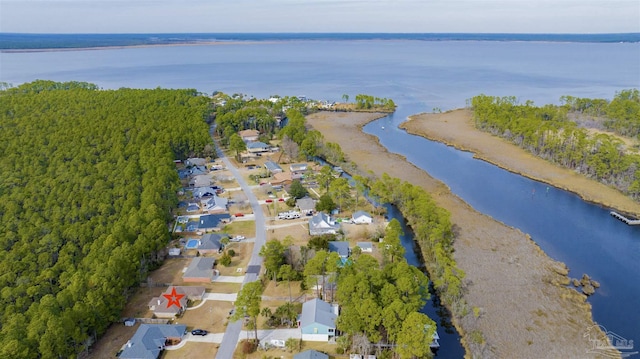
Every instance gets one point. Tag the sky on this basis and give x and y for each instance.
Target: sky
(421, 16)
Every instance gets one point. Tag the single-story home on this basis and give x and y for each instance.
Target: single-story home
(151, 339)
(197, 170)
(249, 135)
(210, 243)
(361, 217)
(281, 179)
(200, 180)
(160, 305)
(272, 167)
(213, 222)
(322, 223)
(366, 247)
(214, 204)
(204, 191)
(317, 322)
(257, 147)
(340, 247)
(306, 204)
(195, 162)
(298, 167)
(199, 270)
(193, 207)
(311, 354)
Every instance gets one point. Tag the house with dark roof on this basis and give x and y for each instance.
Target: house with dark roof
(340, 247)
(311, 354)
(151, 339)
(322, 223)
(213, 222)
(272, 167)
(257, 147)
(306, 204)
(199, 270)
(361, 217)
(317, 322)
(210, 243)
(193, 207)
(160, 305)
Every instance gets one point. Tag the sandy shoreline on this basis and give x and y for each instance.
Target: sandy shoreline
(524, 309)
(455, 128)
(121, 47)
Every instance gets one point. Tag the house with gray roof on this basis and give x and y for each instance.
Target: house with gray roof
(317, 322)
(195, 161)
(311, 354)
(205, 191)
(200, 180)
(160, 305)
(249, 135)
(199, 270)
(340, 247)
(257, 147)
(272, 167)
(306, 204)
(322, 223)
(361, 217)
(151, 339)
(214, 204)
(210, 243)
(366, 247)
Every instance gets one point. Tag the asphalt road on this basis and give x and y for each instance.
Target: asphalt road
(232, 334)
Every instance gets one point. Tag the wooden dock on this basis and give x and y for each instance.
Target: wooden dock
(631, 222)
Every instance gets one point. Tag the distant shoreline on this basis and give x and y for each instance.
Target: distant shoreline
(20, 42)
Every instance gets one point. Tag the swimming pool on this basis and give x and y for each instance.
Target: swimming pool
(192, 244)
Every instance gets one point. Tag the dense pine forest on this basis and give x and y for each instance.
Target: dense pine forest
(594, 137)
(87, 182)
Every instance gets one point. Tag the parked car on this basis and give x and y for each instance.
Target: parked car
(201, 332)
(239, 214)
(280, 199)
(237, 238)
(269, 201)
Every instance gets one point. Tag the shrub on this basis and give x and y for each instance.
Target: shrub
(225, 260)
(231, 252)
(249, 346)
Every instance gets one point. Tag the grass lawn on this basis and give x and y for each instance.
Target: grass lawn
(245, 228)
(240, 260)
(192, 350)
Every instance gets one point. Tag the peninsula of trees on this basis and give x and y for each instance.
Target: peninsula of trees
(594, 137)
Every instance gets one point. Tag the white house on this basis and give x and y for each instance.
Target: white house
(317, 322)
(361, 217)
(322, 223)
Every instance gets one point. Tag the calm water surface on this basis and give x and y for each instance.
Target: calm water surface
(418, 76)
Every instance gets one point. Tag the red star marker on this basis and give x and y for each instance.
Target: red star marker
(173, 298)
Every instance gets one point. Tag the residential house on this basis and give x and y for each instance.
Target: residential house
(311, 354)
(298, 170)
(306, 204)
(151, 339)
(366, 247)
(257, 147)
(204, 191)
(195, 162)
(340, 247)
(160, 305)
(213, 222)
(197, 170)
(249, 135)
(322, 223)
(200, 180)
(214, 204)
(272, 167)
(193, 207)
(281, 179)
(174, 251)
(210, 243)
(317, 322)
(361, 217)
(199, 270)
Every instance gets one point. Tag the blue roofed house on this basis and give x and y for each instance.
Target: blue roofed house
(213, 222)
(317, 322)
(311, 354)
(340, 247)
(322, 223)
(151, 339)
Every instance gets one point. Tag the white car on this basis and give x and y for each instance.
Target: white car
(237, 238)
